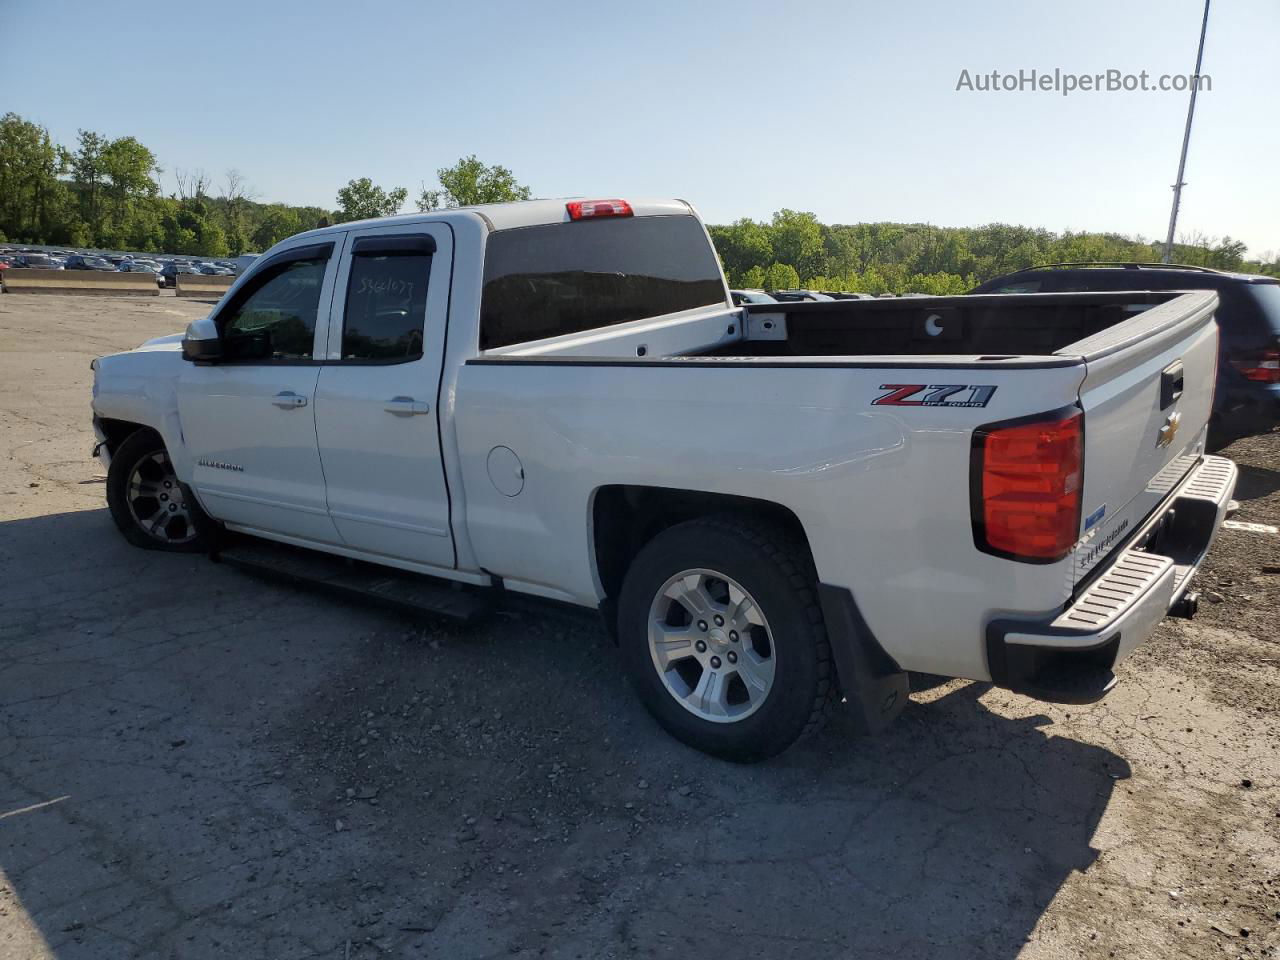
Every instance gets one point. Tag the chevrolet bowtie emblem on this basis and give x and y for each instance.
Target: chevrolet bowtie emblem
(1169, 430)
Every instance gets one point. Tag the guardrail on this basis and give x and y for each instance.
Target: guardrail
(92, 283)
(201, 286)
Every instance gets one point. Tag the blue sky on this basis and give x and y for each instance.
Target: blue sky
(848, 109)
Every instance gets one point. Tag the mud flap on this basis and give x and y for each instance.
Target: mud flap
(874, 686)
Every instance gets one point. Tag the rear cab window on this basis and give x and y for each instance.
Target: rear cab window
(562, 278)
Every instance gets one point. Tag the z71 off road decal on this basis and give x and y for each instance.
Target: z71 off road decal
(934, 395)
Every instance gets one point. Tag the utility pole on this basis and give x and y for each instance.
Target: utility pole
(1186, 139)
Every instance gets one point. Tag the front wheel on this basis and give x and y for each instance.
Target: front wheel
(148, 504)
(723, 637)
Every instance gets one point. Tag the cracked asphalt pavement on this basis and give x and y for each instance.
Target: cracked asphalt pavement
(198, 764)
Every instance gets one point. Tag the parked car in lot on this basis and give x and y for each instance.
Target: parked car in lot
(170, 271)
(1247, 399)
(212, 270)
(84, 262)
(774, 506)
(138, 266)
(798, 296)
(36, 261)
(740, 297)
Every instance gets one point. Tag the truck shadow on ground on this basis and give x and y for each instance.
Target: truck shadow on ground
(1255, 483)
(498, 789)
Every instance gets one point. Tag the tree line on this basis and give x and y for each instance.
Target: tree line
(793, 249)
(105, 193)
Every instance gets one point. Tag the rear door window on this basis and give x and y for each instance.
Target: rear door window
(561, 278)
(386, 306)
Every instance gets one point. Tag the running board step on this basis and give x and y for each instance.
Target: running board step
(408, 592)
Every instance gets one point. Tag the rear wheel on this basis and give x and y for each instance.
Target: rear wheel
(148, 503)
(723, 637)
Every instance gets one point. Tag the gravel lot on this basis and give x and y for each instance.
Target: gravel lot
(195, 763)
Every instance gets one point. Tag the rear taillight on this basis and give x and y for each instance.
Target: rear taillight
(1262, 367)
(588, 209)
(1025, 486)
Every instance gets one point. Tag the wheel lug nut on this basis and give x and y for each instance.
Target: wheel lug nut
(700, 646)
(733, 636)
(702, 625)
(719, 620)
(733, 657)
(173, 507)
(715, 663)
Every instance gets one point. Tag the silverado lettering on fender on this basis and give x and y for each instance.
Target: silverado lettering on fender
(775, 506)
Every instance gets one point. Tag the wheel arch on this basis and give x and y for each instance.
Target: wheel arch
(624, 517)
(117, 431)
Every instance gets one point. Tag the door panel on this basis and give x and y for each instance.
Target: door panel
(250, 424)
(376, 416)
(256, 461)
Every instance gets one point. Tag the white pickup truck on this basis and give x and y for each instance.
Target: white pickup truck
(774, 506)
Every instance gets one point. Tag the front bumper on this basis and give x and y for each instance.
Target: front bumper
(1070, 658)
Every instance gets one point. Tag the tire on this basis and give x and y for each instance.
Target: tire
(152, 509)
(679, 583)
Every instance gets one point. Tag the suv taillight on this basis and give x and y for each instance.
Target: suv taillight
(1263, 367)
(1025, 479)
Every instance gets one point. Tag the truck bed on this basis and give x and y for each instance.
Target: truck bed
(979, 326)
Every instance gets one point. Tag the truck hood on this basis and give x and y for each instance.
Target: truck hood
(172, 341)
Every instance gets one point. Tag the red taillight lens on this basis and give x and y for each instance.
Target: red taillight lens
(586, 209)
(1263, 368)
(1027, 479)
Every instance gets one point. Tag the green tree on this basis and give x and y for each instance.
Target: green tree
(742, 245)
(781, 276)
(469, 182)
(753, 278)
(364, 200)
(88, 175)
(278, 223)
(797, 240)
(35, 204)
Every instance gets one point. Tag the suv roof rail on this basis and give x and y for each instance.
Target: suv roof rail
(1127, 264)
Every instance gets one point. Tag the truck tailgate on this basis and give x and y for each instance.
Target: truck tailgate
(1147, 396)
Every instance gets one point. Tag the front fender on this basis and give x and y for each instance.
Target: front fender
(140, 387)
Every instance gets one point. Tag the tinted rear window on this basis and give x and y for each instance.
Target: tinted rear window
(562, 278)
(1267, 297)
(386, 307)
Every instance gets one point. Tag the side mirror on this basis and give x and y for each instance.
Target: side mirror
(202, 343)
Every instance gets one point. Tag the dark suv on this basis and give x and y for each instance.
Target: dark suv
(169, 272)
(88, 262)
(1247, 397)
